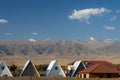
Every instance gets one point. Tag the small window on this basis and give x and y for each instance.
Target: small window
(2, 67)
(108, 76)
(5, 75)
(56, 68)
(84, 75)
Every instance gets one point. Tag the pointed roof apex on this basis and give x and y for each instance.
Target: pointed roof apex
(51, 64)
(4, 71)
(54, 69)
(75, 66)
(26, 66)
(28, 61)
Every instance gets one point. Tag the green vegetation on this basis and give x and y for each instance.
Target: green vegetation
(41, 68)
(14, 69)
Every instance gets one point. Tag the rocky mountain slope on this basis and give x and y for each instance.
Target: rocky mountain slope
(48, 47)
(59, 49)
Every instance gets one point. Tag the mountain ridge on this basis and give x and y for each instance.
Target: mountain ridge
(58, 49)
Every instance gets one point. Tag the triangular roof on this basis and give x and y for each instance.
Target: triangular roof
(29, 70)
(4, 71)
(100, 68)
(54, 69)
(77, 66)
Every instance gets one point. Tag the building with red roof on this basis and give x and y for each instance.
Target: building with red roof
(101, 71)
(87, 63)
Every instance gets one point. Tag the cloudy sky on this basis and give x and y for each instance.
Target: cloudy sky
(59, 19)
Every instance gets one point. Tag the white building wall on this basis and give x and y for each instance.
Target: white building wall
(4, 71)
(56, 70)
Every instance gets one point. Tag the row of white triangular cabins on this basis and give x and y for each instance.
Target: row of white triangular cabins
(4, 71)
(54, 69)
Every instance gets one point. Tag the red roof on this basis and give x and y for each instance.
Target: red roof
(118, 68)
(92, 62)
(96, 62)
(100, 68)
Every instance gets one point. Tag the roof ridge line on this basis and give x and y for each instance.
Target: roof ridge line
(96, 67)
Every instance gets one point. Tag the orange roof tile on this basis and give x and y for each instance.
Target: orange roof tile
(96, 62)
(100, 68)
(118, 68)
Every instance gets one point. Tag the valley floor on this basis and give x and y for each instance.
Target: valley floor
(42, 59)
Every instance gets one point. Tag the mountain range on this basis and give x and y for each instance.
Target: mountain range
(64, 51)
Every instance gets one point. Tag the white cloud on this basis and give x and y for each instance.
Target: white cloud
(108, 39)
(35, 33)
(32, 40)
(3, 21)
(85, 14)
(109, 28)
(113, 18)
(8, 34)
(92, 39)
(48, 39)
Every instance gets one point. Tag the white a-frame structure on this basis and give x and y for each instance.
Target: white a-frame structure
(4, 71)
(29, 70)
(77, 67)
(54, 69)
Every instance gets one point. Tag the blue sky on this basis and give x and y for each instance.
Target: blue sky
(59, 19)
